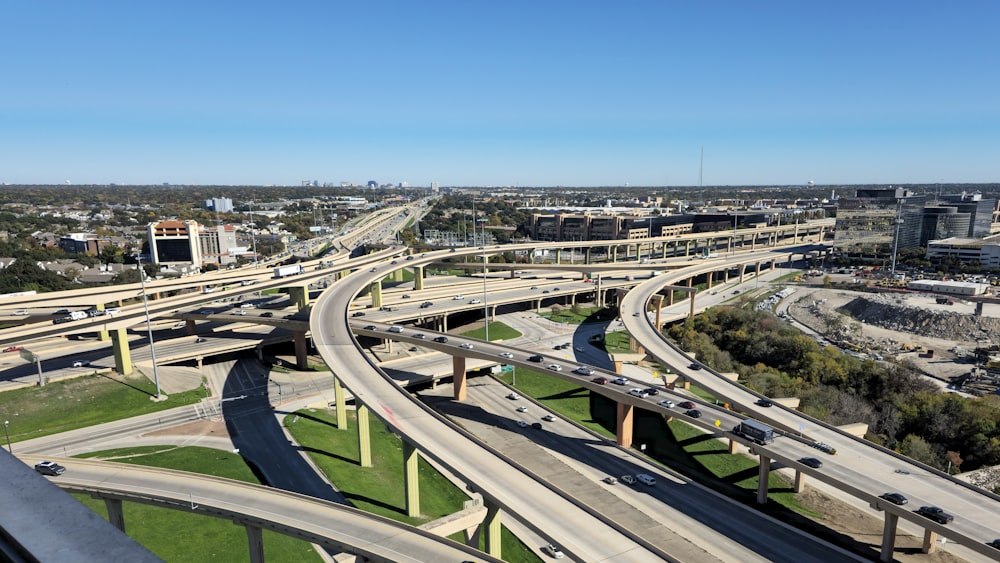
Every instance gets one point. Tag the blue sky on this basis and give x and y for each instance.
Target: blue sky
(476, 93)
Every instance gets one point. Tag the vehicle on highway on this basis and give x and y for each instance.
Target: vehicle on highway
(522, 408)
(754, 430)
(825, 448)
(267, 314)
(13, 348)
(536, 425)
(646, 479)
(627, 479)
(425, 304)
(695, 366)
(995, 543)
(811, 462)
(458, 297)
(406, 296)
(409, 257)
(441, 339)
(206, 312)
(532, 288)
(694, 413)
(507, 355)
(666, 403)
(600, 380)
(651, 391)
(466, 345)
(554, 367)
(894, 498)
(635, 391)
(583, 370)
(240, 312)
(636, 314)
(396, 329)
(536, 358)
(545, 291)
(549, 418)
(20, 312)
(199, 340)
(420, 335)
(475, 302)
(49, 468)
(373, 270)
(686, 405)
(554, 551)
(61, 312)
(766, 403)
(370, 327)
(579, 348)
(522, 424)
(936, 514)
(610, 480)
(385, 308)
(620, 381)
(513, 396)
(81, 363)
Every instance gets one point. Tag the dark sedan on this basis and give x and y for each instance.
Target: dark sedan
(811, 462)
(894, 498)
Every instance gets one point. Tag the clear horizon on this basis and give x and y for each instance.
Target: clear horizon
(560, 93)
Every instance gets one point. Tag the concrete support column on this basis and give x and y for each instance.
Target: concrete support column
(600, 293)
(493, 313)
(376, 291)
(616, 366)
(725, 276)
(492, 526)
(558, 256)
(623, 425)
(670, 297)
(190, 327)
(930, 541)
(444, 322)
(800, 482)
(888, 536)
(663, 250)
(411, 479)
(397, 275)
(364, 438)
(338, 398)
(255, 543)
(742, 270)
(115, 515)
(734, 447)
(691, 309)
(709, 278)
(301, 349)
(102, 334)
(614, 254)
(299, 295)
(762, 478)
(458, 377)
(586, 256)
(119, 345)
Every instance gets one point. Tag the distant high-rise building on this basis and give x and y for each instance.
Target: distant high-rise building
(869, 222)
(219, 204)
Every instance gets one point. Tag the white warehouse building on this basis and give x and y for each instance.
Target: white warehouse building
(966, 289)
(986, 252)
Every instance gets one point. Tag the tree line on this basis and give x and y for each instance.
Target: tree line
(903, 411)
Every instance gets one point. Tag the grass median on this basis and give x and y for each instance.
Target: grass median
(181, 535)
(379, 489)
(81, 402)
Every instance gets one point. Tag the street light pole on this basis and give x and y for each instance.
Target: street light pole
(486, 306)
(895, 241)
(149, 325)
(253, 236)
(6, 423)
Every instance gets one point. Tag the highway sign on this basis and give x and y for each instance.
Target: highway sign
(28, 355)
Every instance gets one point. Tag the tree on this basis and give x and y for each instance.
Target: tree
(921, 450)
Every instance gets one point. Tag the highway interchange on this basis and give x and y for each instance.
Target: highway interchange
(690, 532)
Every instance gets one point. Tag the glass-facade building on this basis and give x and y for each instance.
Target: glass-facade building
(870, 222)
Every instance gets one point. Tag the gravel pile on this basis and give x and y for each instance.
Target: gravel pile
(887, 311)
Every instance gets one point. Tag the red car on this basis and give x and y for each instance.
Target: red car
(13, 348)
(686, 405)
(600, 380)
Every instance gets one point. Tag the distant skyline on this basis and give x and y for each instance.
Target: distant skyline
(571, 93)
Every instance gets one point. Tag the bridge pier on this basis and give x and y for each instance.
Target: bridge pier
(762, 479)
(102, 335)
(930, 541)
(376, 291)
(301, 349)
(799, 484)
(299, 295)
(338, 398)
(397, 275)
(255, 543)
(123, 357)
(623, 425)
(190, 327)
(888, 536)
(411, 479)
(493, 527)
(458, 377)
(115, 515)
(364, 438)
(418, 278)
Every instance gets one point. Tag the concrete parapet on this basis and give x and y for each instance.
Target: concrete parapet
(858, 429)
